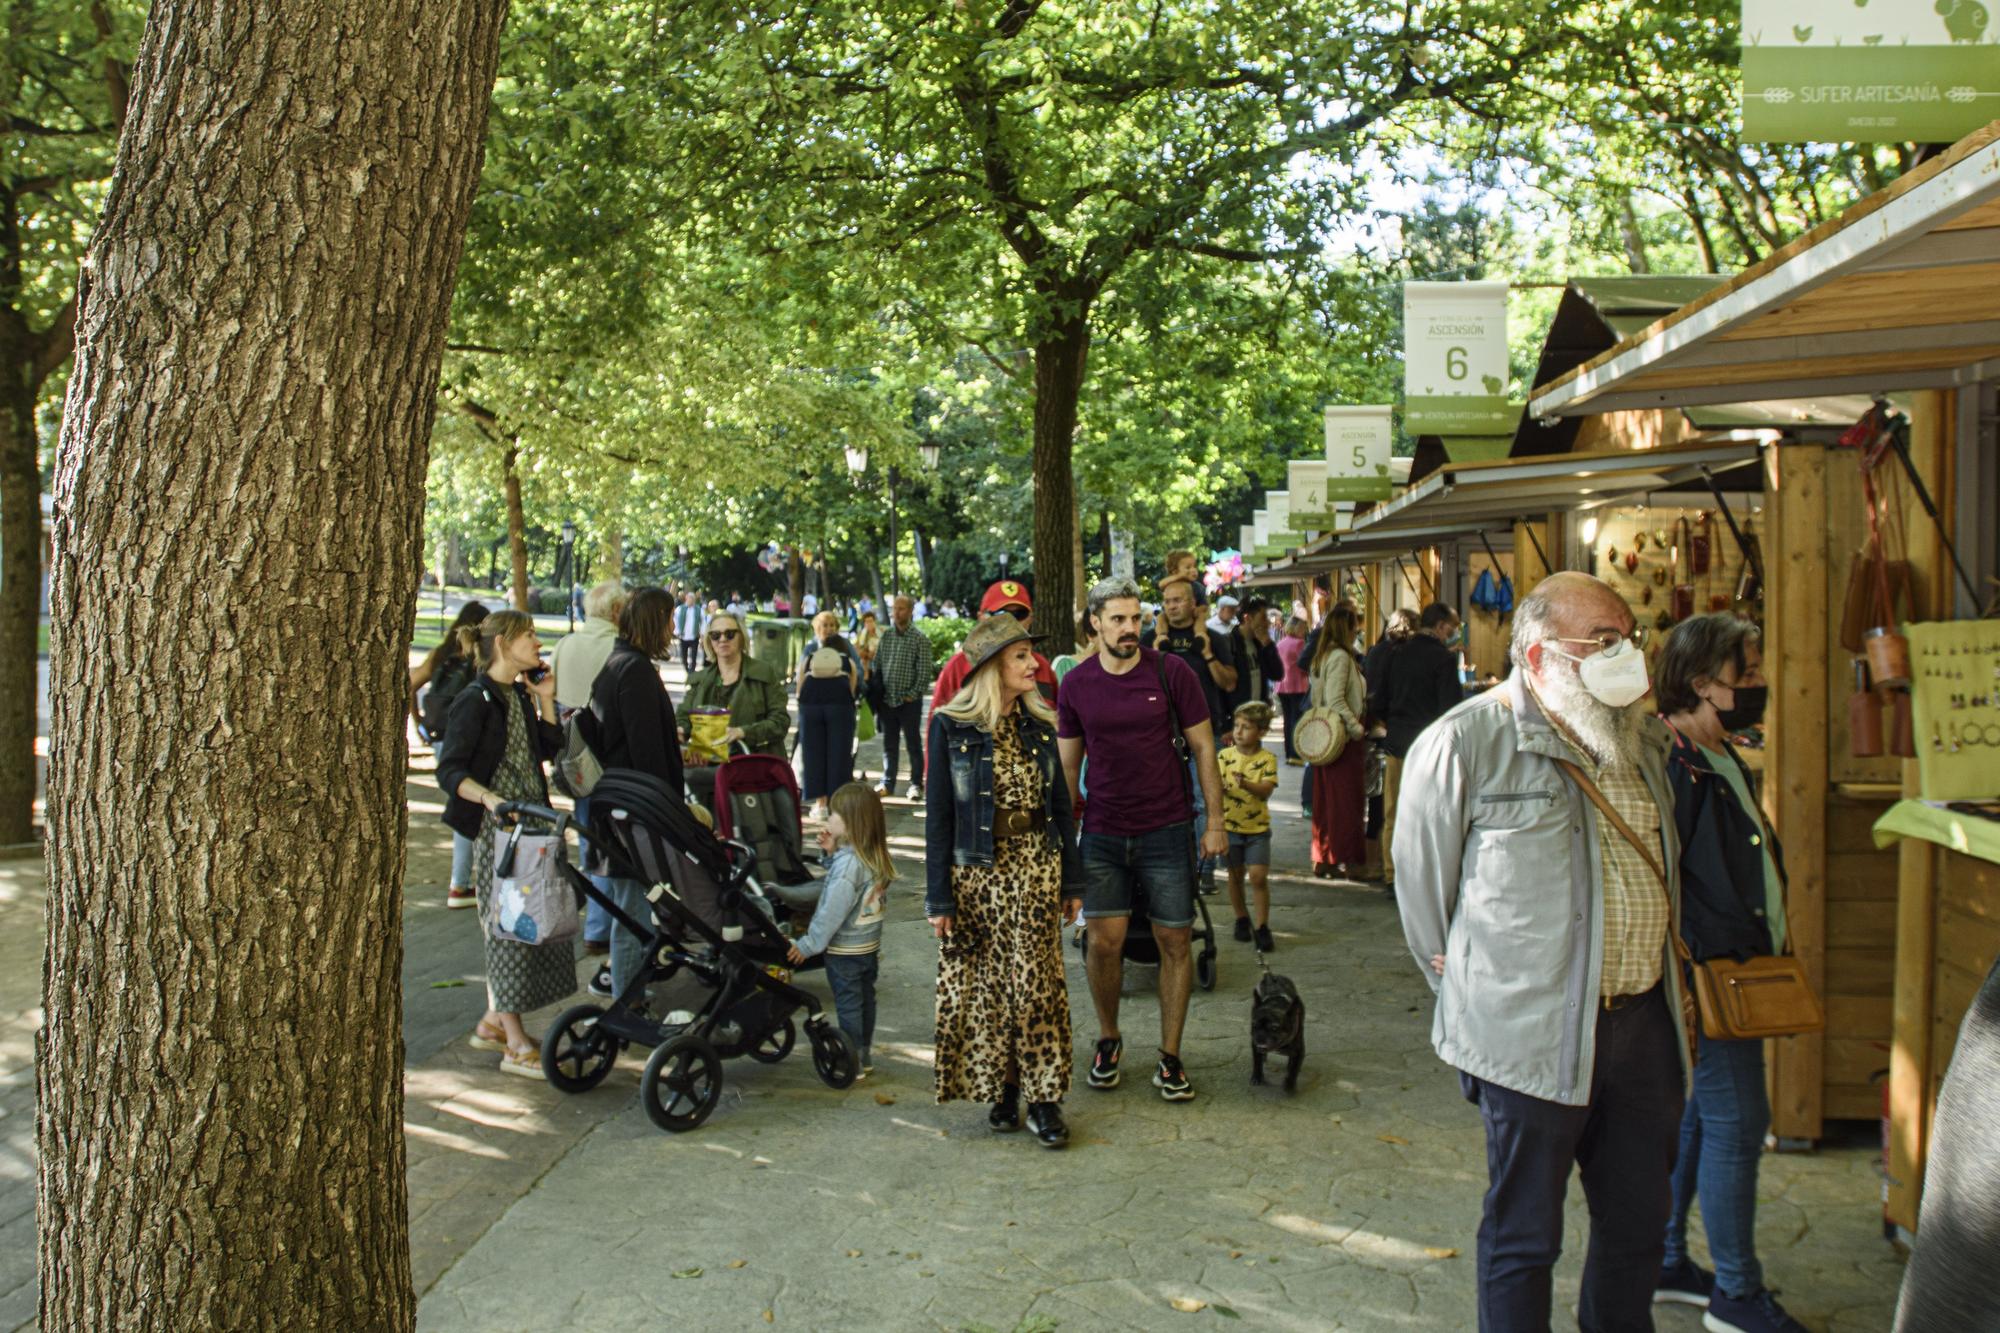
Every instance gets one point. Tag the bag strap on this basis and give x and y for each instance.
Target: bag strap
(1179, 736)
(1605, 808)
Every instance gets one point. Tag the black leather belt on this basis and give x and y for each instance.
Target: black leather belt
(1617, 1002)
(1019, 820)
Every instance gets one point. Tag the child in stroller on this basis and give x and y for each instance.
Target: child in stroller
(710, 916)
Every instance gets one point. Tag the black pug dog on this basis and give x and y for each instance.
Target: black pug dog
(1277, 1027)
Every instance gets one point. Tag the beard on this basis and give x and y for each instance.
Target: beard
(1121, 648)
(1611, 735)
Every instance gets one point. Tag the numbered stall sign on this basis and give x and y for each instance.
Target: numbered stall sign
(1455, 358)
(1358, 440)
(1311, 511)
(1922, 71)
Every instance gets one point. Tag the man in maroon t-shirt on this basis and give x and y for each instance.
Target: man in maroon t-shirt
(1120, 707)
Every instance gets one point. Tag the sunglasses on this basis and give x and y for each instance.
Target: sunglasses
(722, 635)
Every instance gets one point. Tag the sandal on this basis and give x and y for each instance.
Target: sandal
(486, 1038)
(527, 1062)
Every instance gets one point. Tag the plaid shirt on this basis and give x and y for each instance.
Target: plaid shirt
(903, 660)
(1635, 903)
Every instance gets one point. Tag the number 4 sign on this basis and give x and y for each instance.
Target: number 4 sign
(1455, 358)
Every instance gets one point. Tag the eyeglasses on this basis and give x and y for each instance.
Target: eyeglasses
(721, 635)
(1609, 641)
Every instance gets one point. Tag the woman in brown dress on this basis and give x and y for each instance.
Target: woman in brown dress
(1003, 879)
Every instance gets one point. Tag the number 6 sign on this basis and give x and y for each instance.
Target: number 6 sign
(1455, 358)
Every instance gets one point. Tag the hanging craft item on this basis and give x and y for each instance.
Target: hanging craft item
(1699, 547)
(1660, 575)
(1888, 651)
(1750, 578)
(1662, 538)
(1611, 556)
(1864, 716)
(1632, 562)
(1639, 540)
(1645, 596)
(1684, 589)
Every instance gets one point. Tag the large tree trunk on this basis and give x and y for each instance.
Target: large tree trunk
(517, 526)
(238, 537)
(20, 595)
(1059, 367)
(795, 580)
(611, 554)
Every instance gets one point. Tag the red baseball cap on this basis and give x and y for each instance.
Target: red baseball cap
(1002, 595)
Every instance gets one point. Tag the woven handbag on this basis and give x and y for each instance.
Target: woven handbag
(1321, 736)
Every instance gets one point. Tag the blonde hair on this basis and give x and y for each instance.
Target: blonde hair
(826, 623)
(979, 701)
(860, 809)
(482, 642)
(1256, 712)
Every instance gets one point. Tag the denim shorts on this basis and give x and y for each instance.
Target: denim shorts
(1160, 864)
(1249, 849)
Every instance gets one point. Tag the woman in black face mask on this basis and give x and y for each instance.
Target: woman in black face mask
(1710, 683)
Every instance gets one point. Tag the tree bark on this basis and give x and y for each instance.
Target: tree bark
(20, 593)
(517, 526)
(611, 555)
(1059, 369)
(238, 538)
(795, 580)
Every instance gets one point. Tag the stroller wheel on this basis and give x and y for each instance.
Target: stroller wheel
(577, 1053)
(833, 1059)
(682, 1083)
(777, 1044)
(1204, 968)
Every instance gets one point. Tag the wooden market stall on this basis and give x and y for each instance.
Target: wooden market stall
(1900, 294)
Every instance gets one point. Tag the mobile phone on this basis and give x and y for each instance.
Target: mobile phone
(539, 673)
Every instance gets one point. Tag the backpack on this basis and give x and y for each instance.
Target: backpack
(826, 663)
(578, 767)
(451, 678)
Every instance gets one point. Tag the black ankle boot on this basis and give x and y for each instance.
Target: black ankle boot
(1046, 1119)
(1005, 1117)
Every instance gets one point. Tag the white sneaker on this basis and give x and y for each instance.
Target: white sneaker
(915, 793)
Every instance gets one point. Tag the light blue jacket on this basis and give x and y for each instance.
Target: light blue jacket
(849, 916)
(1498, 869)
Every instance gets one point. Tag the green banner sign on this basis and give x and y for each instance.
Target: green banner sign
(1925, 71)
(1455, 358)
(1358, 440)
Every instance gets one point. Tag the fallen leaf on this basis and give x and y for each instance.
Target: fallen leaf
(1394, 1138)
(687, 1272)
(1440, 1252)
(445, 985)
(925, 1272)
(1188, 1304)
(913, 1255)
(739, 1263)
(854, 1254)
(884, 1099)
(1236, 1254)
(770, 1317)
(1226, 1312)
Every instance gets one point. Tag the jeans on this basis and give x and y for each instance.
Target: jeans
(461, 860)
(1293, 706)
(902, 724)
(1159, 862)
(596, 921)
(628, 951)
(852, 977)
(1624, 1141)
(689, 652)
(1722, 1137)
(826, 743)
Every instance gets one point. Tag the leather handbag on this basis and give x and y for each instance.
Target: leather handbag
(1765, 996)
(1321, 736)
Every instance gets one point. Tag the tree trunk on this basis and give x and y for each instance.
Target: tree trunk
(517, 526)
(456, 570)
(241, 486)
(1076, 560)
(1059, 367)
(1634, 240)
(795, 579)
(1104, 539)
(20, 598)
(611, 555)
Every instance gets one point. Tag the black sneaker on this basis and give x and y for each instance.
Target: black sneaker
(1264, 944)
(1243, 929)
(1104, 1064)
(600, 982)
(1685, 1283)
(1005, 1117)
(1756, 1313)
(1172, 1080)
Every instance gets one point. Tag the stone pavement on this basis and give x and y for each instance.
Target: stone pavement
(1350, 1204)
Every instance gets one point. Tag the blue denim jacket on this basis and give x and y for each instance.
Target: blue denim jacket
(958, 825)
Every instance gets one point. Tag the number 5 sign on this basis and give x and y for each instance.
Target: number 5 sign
(1455, 358)
(1357, 453)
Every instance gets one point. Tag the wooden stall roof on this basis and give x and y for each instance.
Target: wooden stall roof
(1902, 291)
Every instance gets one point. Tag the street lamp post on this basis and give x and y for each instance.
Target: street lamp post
(567, 564)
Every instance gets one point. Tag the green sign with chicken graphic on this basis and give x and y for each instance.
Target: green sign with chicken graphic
(1869, 71)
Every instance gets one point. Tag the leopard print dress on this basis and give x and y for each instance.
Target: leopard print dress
(1003, 1000)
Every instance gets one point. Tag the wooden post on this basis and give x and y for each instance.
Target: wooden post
(1795, 778)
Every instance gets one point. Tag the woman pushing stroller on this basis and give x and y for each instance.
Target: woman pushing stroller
(1002, 878)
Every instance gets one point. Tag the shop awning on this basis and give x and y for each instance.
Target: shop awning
(1902, 291)
(1464, 498)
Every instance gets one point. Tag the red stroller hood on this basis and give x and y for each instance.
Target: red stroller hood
(751, 773)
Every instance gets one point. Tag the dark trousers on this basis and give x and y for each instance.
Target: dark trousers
(826, 739)
(1293, 706)
(1624, 1141)
(688, 654)
(902, 724)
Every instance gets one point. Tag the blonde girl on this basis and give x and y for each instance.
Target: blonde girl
(847, 924)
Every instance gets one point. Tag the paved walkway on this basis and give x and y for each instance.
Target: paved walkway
(1350, 1204)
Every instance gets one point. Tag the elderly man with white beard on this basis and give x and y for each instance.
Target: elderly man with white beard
(1537, 876)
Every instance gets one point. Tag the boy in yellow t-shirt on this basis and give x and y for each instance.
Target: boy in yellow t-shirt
(1249, 776)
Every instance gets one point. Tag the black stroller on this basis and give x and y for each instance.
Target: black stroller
(711, 917)
(1141, 947)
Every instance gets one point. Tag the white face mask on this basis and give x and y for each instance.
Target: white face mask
(1615, 677)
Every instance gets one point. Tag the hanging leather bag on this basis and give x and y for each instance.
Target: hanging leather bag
(1683, 595)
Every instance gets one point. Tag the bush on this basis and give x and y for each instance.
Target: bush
(945, 635)
(551, 602)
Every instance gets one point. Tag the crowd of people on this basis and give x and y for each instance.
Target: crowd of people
(1566, 832)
